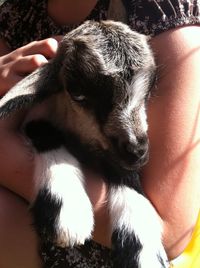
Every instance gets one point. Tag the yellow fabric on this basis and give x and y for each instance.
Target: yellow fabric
(190, 258)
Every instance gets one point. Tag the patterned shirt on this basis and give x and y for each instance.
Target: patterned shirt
(24, 21)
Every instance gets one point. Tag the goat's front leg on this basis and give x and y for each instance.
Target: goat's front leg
(137, 232)
(62, 210)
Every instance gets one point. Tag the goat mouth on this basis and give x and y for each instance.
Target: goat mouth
(129, 161)
(136, 166)
(124, 165)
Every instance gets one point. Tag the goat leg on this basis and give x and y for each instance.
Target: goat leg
(136, 237)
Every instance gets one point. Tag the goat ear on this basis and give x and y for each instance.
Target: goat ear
(32, 89)
(82, 62)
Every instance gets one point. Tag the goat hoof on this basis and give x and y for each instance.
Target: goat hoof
(74, 229)
(58, 222)
(133, 253)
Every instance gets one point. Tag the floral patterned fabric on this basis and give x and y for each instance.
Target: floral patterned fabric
(91, 255)
(24, 21)
(152, 17)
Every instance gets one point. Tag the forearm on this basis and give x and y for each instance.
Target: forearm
(16, 156)
(18, 241)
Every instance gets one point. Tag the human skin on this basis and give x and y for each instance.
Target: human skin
(18, 242)
(70, 11)
(14, 65)
(170, 179)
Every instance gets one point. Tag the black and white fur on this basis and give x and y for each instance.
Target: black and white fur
(87, 107)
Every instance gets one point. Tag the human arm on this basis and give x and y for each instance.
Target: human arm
(18, 243)
(171, 178)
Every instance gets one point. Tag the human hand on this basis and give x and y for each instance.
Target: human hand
(24, 60)
(14, 66)
(17, 168)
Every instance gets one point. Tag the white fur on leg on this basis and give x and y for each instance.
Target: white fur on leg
(61, 174)
(132, 213)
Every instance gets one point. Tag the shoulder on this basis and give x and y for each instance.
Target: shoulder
(182, 43)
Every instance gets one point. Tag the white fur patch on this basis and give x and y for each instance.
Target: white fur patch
(132, 212)
(134, 112)
(60, 172)
(138, 92)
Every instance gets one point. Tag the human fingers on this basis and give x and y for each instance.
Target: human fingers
(27, 64)
(46, 47)
(14, 71)
(22, 61)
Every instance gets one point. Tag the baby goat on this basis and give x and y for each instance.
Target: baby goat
(93, 95)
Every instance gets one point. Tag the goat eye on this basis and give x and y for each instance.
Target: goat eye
(79, 98)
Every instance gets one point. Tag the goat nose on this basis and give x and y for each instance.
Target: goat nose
(133, 151)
